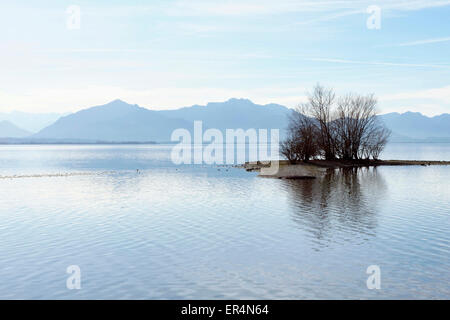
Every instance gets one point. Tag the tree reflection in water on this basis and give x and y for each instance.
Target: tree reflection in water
(340, 206)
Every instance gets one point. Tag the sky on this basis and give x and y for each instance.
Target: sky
(171, 54)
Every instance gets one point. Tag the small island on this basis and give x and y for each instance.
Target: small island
(315, 168)
(329, 132)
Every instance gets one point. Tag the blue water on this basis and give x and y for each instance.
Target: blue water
(209, 232)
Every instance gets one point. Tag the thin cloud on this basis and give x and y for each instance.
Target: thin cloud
(418, 5)
(442, 94)
(266, 7)
(208, 8)
(377, 63)
(421, 42)
(331, 17)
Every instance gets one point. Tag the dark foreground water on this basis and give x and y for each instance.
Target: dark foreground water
(197, 232)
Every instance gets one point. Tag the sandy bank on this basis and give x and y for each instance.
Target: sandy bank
(315, 168)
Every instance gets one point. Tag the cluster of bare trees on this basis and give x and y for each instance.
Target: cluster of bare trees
(331, 127)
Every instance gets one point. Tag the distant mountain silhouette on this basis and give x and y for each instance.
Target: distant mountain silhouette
(414, 125)
(32, 122)
(235, 113)
(115, 121)
(119, 121)
(10, 130)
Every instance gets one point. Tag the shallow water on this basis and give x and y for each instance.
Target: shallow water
(207, 232)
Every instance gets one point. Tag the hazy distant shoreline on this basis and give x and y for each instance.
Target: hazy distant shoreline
(19, 141)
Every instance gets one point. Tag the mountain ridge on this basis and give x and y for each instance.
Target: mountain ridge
(114, 121)
(10, 130)
(32, 122)
(418, 126)
(119, 121)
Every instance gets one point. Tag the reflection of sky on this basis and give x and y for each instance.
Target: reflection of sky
(17, 159)
(417, 151)
(197, 232)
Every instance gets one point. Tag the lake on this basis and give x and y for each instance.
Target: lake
(213, 232)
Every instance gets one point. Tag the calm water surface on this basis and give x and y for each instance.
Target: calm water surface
(208, 232)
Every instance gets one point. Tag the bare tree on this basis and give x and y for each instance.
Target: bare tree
(345, 128)
(356, 120)
(319, 107)
(373, 144)
(301, 143)
(289, 149)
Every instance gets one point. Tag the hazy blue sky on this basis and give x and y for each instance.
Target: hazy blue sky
(167, 54)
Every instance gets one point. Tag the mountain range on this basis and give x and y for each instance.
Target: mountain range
(115, 121)
(414, 125)
(234, 113)
(10, 130)
(119, 121)
(32, 122)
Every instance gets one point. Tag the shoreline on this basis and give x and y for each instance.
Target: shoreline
(315, 168)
